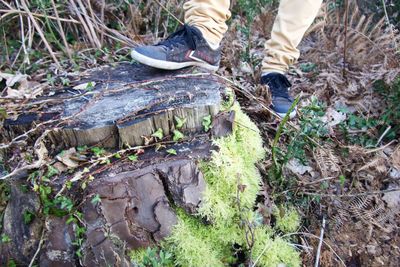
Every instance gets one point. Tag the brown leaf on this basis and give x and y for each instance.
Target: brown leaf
(65, 157)
(395, 158)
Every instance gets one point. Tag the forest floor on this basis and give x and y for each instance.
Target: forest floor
(338, 161)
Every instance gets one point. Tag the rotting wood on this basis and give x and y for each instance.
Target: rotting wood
(137, 199)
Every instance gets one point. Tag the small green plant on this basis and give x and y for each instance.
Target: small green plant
(98, 151)
(207, 123)
(11, 263)
(28, 216)
(151, 257)
(65, 81)
(308, 67)
(366, 130)
(171, 151)
(51, 171)
(96, 199)
(79, 239)
(177, 136)
(179, 122)
(342, 180)
(133, 157)
(154, 259)
(81, 148)
(65, 203)
(5, 238)
(159, 134)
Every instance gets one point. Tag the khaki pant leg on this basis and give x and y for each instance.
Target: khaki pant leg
(293, 19)
(209, 16)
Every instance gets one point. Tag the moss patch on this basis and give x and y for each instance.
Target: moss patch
(287, 219)
(233, 182)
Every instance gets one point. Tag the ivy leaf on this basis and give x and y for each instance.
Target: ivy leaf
(133, 157)
(5, 238)
(28, 216)
(177, 135)
(51, 171)
(81, 148)
(70, 220)
(96, 199)
(98, 151)
(158, 134)
(84, 86)
(179, 122)
(207, 123)
(83, 185)
(171, 151)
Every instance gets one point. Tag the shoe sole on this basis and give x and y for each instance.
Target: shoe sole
(169, 65)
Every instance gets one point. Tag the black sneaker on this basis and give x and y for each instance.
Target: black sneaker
(184, 48)
(279, 87)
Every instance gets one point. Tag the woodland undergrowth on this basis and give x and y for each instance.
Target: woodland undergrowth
(338, 161)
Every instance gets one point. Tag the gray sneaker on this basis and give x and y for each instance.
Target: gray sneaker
(279, 87)
(186, 47)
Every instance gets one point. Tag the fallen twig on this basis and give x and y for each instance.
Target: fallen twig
(314, 236)
(38, 249)
(321, 236)
(40, 151)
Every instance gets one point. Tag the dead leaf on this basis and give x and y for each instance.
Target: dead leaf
(396, 158)
(334, 117)
(65, 157)
(392, 198)
(84, 86)
(297, 167)
(26, 89)
(60, 167)
(377, 163)
(12, 79)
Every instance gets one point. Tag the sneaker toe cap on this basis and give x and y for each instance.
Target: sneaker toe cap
(154, 52)
(281, 105)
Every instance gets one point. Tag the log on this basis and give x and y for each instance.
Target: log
(127, 104)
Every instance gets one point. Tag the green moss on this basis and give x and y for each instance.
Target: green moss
(287, 219)
(273, 251)
(230, 175)
(192, 244)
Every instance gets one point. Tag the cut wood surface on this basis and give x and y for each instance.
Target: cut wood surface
(115, 106)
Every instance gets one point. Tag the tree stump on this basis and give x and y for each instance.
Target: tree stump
(125, 203)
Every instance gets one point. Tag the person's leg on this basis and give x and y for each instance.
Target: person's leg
(195, 44)
(209, 16)
(292, 21)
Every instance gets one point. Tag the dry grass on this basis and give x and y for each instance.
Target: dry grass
(62, 27)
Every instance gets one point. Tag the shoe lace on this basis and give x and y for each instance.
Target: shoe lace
(278, 85)
(185, 35)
